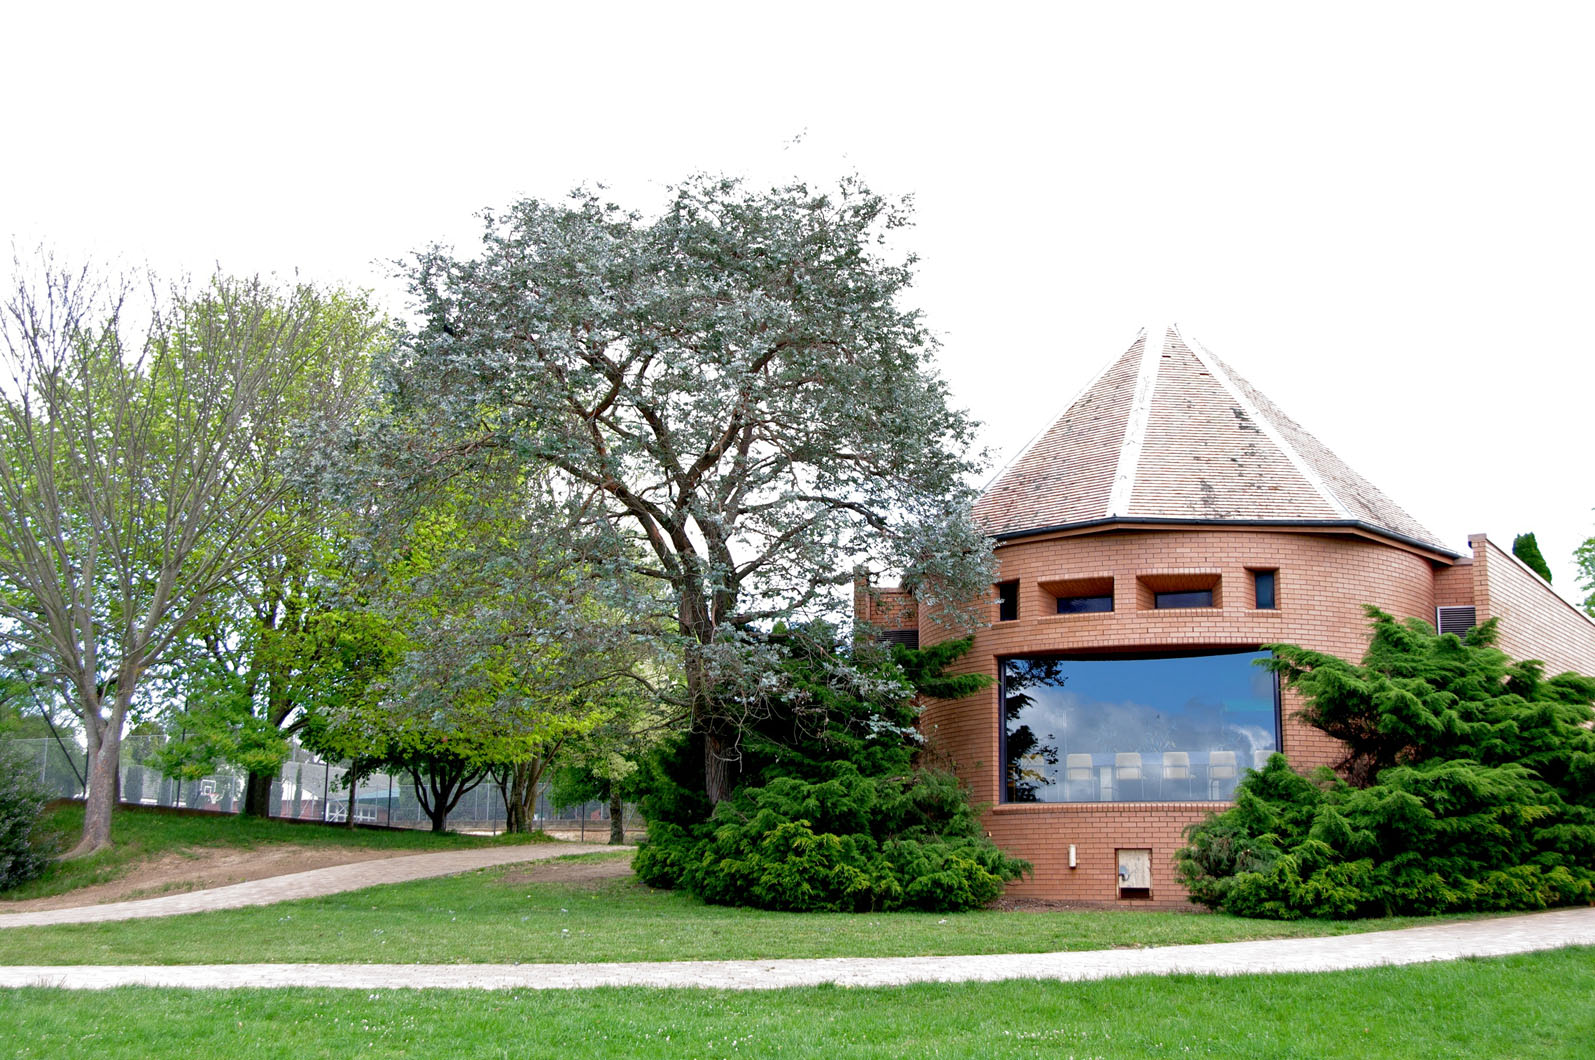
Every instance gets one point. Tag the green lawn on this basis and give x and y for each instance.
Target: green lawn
(139, 833)
(1529, 1006)
(485, 917)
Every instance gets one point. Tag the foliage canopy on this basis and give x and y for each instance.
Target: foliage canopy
(732, 390)
(1470, 786)
(145, 444)
(832, 813)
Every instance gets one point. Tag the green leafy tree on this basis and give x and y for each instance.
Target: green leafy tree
(263, 655)
(832, 813)
(1469, 784)
(605, 763)
(142, 449)
(734, 390)
(1525, 548)
(1584, 556)
(509, 642)
(283, 641)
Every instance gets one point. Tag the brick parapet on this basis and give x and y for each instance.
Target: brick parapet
(1536, 623)
(883, 607)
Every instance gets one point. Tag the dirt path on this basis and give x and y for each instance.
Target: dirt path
(332, 879)
(200, 868)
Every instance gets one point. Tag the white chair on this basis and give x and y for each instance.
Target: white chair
(1220, 767)
(1177, 767)
(1260, 758)
(1126, 766)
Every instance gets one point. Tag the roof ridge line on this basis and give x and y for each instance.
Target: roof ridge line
(1135, 423)
(1266, 425)
(1024, 450)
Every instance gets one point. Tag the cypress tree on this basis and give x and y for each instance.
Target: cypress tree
(1525, 548)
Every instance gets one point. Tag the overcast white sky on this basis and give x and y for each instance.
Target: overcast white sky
(1380, 214)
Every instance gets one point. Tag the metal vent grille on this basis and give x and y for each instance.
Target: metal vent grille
(1456, 620)
(907, 637)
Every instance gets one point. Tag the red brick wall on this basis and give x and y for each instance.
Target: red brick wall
(1453, 586)
(1536, 623)
(883, 607)
(1323, 582)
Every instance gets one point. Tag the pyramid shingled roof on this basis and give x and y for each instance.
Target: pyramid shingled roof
(1169, 433)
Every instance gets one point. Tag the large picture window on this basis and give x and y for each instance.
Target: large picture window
(1160, 729)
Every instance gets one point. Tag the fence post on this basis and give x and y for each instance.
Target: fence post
(326, 790)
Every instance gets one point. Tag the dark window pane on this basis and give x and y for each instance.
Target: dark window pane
(1007, 601)
(1081, 605)
(1194, 598)
(1263, 584)
(1169, 729)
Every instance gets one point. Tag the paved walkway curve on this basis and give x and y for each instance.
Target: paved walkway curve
(1473, 938)
(312, 884)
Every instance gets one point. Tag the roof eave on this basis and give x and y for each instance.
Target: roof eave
(1301, 524)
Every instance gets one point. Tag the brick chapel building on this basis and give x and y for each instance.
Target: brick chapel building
(1167, 525)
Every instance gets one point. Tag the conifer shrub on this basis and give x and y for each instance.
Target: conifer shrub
(1525, 548)
(831, 812)
(1468, 784)
(21, 802)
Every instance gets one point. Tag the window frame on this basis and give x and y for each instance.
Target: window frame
(1272, 574)
(1008, 601)
(1159, 597)
(1133, 656)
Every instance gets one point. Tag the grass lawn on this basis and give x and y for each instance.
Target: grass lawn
(1530, 1006)
(486, 916)
(141, 833)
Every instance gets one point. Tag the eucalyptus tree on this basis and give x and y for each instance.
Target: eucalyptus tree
(142, 452)
(734, 388)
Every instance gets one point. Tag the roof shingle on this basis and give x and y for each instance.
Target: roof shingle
(1203, 444)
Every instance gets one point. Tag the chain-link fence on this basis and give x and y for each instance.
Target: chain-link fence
(306, 788)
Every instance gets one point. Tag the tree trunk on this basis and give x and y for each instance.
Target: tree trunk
(617, 816)
(100, 799)
(354, 789)
(257, 795)
(718, 751)
(520, 794)
(717, 762)
(441, 791)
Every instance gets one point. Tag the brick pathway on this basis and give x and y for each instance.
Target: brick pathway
(311, 884)
(1474, 938)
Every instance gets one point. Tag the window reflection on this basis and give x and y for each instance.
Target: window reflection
(1169, 729)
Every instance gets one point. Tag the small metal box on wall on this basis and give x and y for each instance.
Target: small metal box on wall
(1135, 874)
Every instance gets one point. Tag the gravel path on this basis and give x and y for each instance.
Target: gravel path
(1474, 938)
(311, 884)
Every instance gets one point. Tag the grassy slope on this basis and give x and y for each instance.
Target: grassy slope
(1530, 1006)
(484, 917)
(139, 834)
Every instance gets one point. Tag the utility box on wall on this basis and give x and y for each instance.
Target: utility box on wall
(1135, 874)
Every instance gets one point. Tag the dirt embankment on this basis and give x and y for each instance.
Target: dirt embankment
(200, 868)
